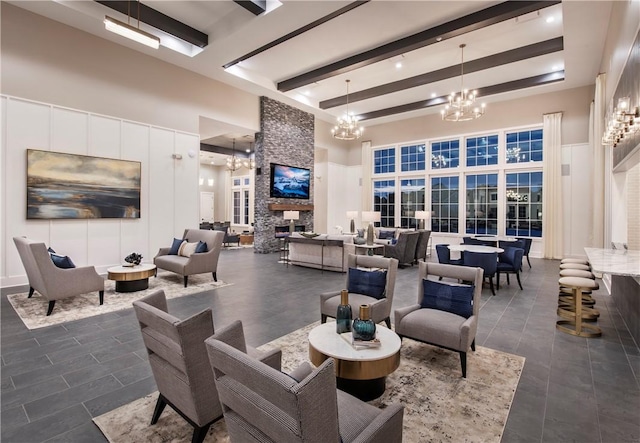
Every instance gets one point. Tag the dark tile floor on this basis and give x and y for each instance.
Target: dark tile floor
(54, 380)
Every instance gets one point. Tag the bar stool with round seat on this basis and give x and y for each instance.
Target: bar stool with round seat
(565, 299)
(580, 261)
(575, 266)
(576, 273)
(575, 326)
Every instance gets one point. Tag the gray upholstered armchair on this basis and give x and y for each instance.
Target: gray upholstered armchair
(438, 327)
(179, 362)
(423, 244)
(266, 405)
(405, 249)
(51, 282)
(198, 263)
(380, 308)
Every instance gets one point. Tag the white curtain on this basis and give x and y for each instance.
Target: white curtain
(552, 205)
(598, 151)
(367, 166)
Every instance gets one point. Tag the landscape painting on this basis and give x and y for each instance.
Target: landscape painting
(70, 186)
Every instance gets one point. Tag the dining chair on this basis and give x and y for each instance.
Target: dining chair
(488, 261)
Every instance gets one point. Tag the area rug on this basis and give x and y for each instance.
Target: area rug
(32, 311)
(440, 405)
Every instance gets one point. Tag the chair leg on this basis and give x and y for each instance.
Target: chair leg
(101, 295)
(498, 280)
(491, 285)
(518, 277)
(473, 345)
(186, 279)
(31, 291)
(323, 318)
(215, 276)
(199, 433)
(463, 362)
(160, 405)
(52, 303)
(388, 322)
(508, 282)
(528, 261)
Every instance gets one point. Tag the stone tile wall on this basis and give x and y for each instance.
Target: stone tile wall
(286, 137)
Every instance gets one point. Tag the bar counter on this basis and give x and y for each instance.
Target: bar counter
(624, 268)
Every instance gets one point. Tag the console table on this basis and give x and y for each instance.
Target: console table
(322, 243)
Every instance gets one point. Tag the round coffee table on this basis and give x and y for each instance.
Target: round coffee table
(360, 372)
(131, 278)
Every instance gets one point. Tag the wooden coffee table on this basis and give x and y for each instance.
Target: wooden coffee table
(363, 372)
(131, 278)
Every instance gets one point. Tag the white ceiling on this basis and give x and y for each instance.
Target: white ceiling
(234, 31)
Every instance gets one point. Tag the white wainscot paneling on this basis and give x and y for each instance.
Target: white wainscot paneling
(3, 184)
(187, 198)
(161, 190)
(337, 204)
(104, 244)
(69, 237)
(135, 232)
(104, 136)
(70, 131)
(577, 202)
(28, 127)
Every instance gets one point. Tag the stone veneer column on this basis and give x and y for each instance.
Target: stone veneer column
(286, 138)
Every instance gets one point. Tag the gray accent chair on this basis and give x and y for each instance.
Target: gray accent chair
(51, 282)
(261, 404)
(380, 309)
(179, 362)
(440, 328)
(405, 249)
(423, 244)
(197, 263)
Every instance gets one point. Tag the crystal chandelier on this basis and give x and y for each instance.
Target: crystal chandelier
(250, 162)
(438, 161)
(462, 106)
(234, 163)
(347, 127)
(513, 153)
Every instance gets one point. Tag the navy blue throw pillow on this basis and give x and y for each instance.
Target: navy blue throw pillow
(371, 283)
(202, 247)
(386, 235)
(457, 299)
(63, 262)
(175, 246)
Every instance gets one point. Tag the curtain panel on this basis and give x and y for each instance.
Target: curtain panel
(552, 202)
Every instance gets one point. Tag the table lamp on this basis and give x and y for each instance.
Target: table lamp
(371, 217)
(292, 216)
(422, 216)
(352, 215)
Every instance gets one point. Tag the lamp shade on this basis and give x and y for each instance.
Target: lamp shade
(421, 215)
(291, 215)
(352, 214)
(371, 216)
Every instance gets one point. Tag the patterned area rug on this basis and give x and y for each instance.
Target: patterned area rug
(440, 405)
(33, 310)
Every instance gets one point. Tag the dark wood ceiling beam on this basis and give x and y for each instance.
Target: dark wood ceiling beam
(222, 150)
(256, 7)
(514, 85)
(503, 58)
(472, 22)
(297, 32)
(159, 21)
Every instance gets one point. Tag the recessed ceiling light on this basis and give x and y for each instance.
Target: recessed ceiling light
(212, 162)
(550, 19)
(247, 150)
(398, 65)
(433, 95)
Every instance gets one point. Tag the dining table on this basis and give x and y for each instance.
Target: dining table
(475, 248)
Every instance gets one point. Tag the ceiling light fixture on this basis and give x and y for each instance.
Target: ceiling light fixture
(624, 121)
(233, 163)
(249, 163)
(131, 32)
(462, 106)
(347, 127)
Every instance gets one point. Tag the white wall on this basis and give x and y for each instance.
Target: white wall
(169, 194)
(578, 203)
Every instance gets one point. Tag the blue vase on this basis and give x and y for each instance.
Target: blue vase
(343, 316)
(363, 327)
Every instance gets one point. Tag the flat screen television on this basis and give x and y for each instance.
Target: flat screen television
(289, 182)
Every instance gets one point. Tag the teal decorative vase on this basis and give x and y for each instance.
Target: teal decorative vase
(363, 327)
(343, 316)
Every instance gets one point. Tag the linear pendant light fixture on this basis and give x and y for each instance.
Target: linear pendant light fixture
(131, 32)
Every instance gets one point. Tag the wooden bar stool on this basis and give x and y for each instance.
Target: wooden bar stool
(575, 325)
(575, 266)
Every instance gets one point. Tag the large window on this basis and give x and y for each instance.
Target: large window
(384, 199)
(384, 161)
(412, 158)
(445, 154)
(524, 146)
(482, 151)
(524, 204)
(240, 199)
(444, 204)
(411, 200)
(482, 204)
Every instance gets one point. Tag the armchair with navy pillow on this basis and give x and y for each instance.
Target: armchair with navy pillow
(370, 281)
(446, 312)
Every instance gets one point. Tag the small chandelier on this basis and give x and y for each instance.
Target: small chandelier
(347, 127)
(438, 161)
(462, 106)
(234, 163)
(249, 163)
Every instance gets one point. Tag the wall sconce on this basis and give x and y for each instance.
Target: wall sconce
(176, 156)
(624, 121)
(201, 181)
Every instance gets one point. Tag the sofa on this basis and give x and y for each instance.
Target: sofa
(326, 251)
(383, 236)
